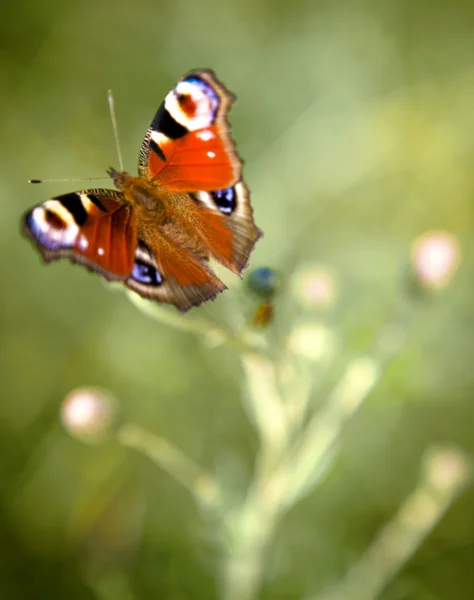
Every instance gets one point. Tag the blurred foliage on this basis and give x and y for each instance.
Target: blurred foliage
(355, 120)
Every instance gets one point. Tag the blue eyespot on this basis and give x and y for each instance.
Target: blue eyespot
(225, 200)
(205, 87)
(145, 273)
(195, 81)
(207, 90)
(49, 229)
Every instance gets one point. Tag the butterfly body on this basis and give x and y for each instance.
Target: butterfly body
(157, 231)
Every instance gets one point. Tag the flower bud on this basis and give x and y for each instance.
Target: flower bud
(315, 287)
(435, 258)
(447, 467)
(89, 414)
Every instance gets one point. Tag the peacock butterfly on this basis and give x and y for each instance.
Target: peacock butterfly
(157, 233)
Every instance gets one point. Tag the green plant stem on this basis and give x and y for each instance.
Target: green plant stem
(252, 530)
(403, 535)
(242, 572)
(255, 520)
(264, 405)
(309, 454)
(205, 489)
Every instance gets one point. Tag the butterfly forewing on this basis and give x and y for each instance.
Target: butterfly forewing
(92, 227)
(188, 146)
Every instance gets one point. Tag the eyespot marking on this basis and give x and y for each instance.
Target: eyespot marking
(225, 200)
(193, 103)
(204, 88)
(187, 104)
(144, 270)
(53, 220)
(52, 225)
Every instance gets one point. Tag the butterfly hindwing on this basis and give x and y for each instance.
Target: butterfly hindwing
(172, 274)
(228, 228)
(91, 227)
(188, 146)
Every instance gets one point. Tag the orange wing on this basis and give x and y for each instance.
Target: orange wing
(221, 221)
(91, 227)
(167, 272)
(188, 146)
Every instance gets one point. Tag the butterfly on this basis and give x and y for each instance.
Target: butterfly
(156, 232)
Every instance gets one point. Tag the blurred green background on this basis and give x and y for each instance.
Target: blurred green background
(356, 123)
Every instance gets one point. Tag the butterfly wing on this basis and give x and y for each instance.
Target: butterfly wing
(91, 227)
(167, 272)
(188, 146)
(95, 228)
(221, 221)
(228, 229)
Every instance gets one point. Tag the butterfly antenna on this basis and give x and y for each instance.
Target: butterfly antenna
(67, 179)
(110, 97)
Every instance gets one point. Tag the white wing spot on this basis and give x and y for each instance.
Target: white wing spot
(205, 135)
(83, 243)
(211, 154)
(100, 251)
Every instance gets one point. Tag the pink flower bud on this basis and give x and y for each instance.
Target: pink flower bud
(435, 258)
(89, 414)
